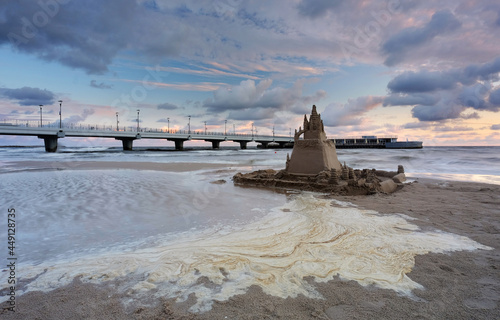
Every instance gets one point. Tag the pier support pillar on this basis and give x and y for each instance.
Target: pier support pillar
(243, 144)
(215, 144)
(282, 144)
(179, 144)
(50, 143)
(127, 144)
(264, 144)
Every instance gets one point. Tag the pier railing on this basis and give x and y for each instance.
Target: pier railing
(107, 127)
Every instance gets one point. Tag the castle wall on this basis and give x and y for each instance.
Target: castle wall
(313, 156)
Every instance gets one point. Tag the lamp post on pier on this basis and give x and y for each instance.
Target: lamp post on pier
(189, 124)
(234, 129)
(168, 125)
(205, 127)
(41, 123)
(60, 114)
(273, 132)
(117, 122)
(138, 111)
(225, 125)
(252, 130)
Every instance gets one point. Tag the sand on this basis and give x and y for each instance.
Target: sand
(458, 285)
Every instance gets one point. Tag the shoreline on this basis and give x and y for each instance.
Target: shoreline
(114, 165)
(36, 165)
(458, 285)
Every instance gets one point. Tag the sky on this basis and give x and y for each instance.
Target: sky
(418, 70)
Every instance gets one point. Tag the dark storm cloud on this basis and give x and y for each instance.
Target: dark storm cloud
(396, 46)
(167, 106)
(102, 85)
(317, 8)
(27, 96)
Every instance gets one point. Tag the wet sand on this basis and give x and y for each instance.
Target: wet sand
(112, 165)
(459, 285)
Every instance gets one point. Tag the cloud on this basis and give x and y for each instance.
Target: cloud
(79, 118)
(428, 81)
(79, 35)
(204, 71)
(252, 114)
(395, 47)
(259, 100)
(495, 127)
(167, 106)
(410, 99)
(28, 96)
(486, 71)
(423, 81)
(350, 113)
(447, 94)
(417, 125)
(200, 86)
(102, 85)
(474, 96)
(455, 129)
(495, 97)
(90, 35)
(444, 110)
(316, 8)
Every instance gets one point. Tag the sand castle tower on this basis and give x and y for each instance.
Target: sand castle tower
(314, 153)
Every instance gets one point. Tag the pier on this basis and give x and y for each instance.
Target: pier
(51, 135)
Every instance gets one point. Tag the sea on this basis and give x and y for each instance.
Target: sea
(163, 231)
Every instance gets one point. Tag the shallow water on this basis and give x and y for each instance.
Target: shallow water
(64, 212)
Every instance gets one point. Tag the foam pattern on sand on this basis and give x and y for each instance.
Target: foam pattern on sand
(306, 237)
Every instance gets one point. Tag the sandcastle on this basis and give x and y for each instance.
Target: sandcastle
(314, 166)
(315, 152)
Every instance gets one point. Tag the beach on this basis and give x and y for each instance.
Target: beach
(458, 285)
